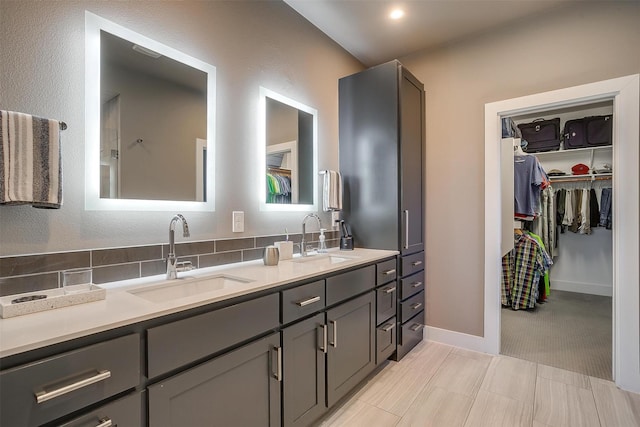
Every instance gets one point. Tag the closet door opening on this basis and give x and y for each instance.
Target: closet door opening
(624, 95)
(557, 281)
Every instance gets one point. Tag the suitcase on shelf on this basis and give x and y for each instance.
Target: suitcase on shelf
(541, 135)
(593, 131)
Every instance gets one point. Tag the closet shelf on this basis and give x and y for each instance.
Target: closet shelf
(574, 151)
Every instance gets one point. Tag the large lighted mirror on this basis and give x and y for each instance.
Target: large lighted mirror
(150, 123)
(287, 145)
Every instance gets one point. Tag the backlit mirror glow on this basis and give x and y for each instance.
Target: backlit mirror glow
(150, 113)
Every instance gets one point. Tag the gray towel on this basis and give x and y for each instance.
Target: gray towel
(331, 191)
(30, 161)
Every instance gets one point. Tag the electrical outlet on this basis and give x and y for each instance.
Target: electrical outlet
(237, 221)
(335, 216)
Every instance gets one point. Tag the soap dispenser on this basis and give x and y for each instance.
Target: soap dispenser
(322, 246)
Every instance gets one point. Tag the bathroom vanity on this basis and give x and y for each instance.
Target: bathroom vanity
(243, 345)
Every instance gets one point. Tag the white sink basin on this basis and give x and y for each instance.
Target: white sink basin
(183, 289)
(325, 259)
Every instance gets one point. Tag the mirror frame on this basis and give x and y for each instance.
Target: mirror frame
(262, 152)
(93, 25)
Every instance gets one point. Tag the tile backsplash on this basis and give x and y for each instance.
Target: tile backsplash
(29, 273)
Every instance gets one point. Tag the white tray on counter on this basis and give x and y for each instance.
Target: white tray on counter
(56, 298)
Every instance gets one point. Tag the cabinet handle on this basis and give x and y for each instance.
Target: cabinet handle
(278, 374)
(406, 229)
(416, 306)
(389, 290)
(324, 339)
(416, 284)
(335, 333)
(388, 272)
(416, 327)
(388, 327)
(308, 301)
(416, 263)
(104, 422)
(43, 396)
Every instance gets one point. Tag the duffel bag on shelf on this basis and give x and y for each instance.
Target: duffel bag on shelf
(541, 135)
(591, 131)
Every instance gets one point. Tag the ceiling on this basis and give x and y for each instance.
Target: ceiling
(363, 27)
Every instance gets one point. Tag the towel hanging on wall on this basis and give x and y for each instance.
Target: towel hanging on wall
(331, 191)
(30, 160)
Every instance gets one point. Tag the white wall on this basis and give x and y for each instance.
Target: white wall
(583, 43)
(251, 44)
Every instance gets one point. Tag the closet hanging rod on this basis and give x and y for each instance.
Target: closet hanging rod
(586, 178)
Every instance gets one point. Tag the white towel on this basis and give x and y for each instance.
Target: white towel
(332, 191)
(30, 163)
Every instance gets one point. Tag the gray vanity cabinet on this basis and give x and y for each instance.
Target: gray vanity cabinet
(240, 388)
(304, 371)
(351, 339)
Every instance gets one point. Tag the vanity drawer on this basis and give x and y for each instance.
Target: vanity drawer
(412, 263)
(302, 300)
(386, 271)
(411, 284)
(411, 333)
(411, 307)
(184, 341)
(352, 283)
(386, 302)
(385, 340)
(68, 382)
(126, 411)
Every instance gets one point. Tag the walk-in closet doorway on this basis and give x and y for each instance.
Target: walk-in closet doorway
(623, 93)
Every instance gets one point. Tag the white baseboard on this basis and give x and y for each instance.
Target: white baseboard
(583, 288)
(457, 339)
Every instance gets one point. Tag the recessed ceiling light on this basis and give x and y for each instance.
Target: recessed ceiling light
(396, 14)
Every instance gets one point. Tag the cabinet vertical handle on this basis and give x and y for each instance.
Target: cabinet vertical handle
(278, 374)
(43, 396)
(335, 333)
(323, 347)
(406, 228)
(105, 422)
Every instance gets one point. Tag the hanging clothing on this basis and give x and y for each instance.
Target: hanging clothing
(529, 180)
(605, 208)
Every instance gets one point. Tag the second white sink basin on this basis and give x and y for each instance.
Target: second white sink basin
(183, 289)
(325, 259)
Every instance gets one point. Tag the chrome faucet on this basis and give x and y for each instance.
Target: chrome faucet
(173, 267)
(303, 249)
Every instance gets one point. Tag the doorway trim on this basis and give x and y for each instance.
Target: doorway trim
(625, 94)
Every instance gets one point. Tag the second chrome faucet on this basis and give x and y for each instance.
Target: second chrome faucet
(173, 266)
(303, 242)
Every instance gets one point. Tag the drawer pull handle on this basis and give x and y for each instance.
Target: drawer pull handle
(416, 306)
(389, 290)
(308, 301)
(43, 396)
(416, 327)
(416, 263)
(278, 374)
(105, 422)
(388, 272)
(388, 327)
(416, 284)
(335, 333)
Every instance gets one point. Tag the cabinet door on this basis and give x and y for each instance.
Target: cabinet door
(304, 368)
(350, 356)
(412, 162)
(238, 389)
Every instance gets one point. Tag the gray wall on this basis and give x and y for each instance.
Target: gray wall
(582, 44)
(252, 44)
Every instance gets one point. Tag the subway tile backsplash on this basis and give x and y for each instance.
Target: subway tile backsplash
(29, 273)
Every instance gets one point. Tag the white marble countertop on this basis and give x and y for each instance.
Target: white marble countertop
(121, 307)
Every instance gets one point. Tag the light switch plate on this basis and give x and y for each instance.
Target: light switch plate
(237, 221)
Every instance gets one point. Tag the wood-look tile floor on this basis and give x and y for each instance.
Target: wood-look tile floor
(440, 385)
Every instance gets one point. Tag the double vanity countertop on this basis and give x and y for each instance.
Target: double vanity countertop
(137, 300)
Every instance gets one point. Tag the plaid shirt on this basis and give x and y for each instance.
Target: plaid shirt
(521, 271)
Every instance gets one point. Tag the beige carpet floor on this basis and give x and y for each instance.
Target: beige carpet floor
(570, 331)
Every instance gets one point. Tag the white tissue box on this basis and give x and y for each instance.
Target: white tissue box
(285, 249)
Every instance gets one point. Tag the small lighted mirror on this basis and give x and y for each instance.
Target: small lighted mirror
(150, 123)
(287, 147)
